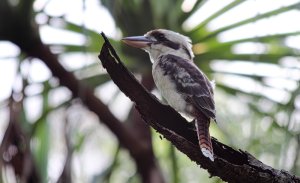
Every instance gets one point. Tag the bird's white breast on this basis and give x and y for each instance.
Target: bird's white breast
(168, 89)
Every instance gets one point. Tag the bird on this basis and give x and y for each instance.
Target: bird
(181, 83)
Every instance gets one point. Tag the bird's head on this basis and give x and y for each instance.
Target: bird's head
(161, 42)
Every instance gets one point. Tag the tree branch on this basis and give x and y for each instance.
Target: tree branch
(230, 165)
(20, 29)
(124, 134)
(20, 158)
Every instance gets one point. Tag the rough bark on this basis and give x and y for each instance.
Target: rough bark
(21, 29)
(230, 165)
(143, 156)
(143, 133)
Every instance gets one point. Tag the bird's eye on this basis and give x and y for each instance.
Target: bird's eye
(158, 36)
(161, 36)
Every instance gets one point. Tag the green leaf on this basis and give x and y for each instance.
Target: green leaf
(96, 80)
(41, 148)
(184, 16)
(174, 166)
(249, 20)
(259, 39)
(216, 14)
(268, 58)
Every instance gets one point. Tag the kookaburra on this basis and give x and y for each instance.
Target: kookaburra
(179, 80)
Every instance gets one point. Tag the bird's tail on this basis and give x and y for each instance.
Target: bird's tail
(202, 127)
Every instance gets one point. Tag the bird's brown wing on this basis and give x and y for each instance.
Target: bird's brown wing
(190, 82)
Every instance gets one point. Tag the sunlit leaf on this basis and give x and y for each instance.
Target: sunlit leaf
(249, 20)
(216, 14)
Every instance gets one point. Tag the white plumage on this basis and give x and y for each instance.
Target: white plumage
(179, 80)
(167, 89)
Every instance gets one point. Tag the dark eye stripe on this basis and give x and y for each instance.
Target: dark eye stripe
(171, 44)
(158, 36)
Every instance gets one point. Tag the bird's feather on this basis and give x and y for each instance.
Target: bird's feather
(190, 82)
(202, 127)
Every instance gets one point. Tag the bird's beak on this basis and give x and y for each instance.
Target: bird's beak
(138, 41)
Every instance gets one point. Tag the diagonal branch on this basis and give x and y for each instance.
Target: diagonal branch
(87, 96)
(230, 165)
(140, 152)
(21, 29)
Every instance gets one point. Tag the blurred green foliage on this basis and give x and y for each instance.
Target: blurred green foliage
(254, 114)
